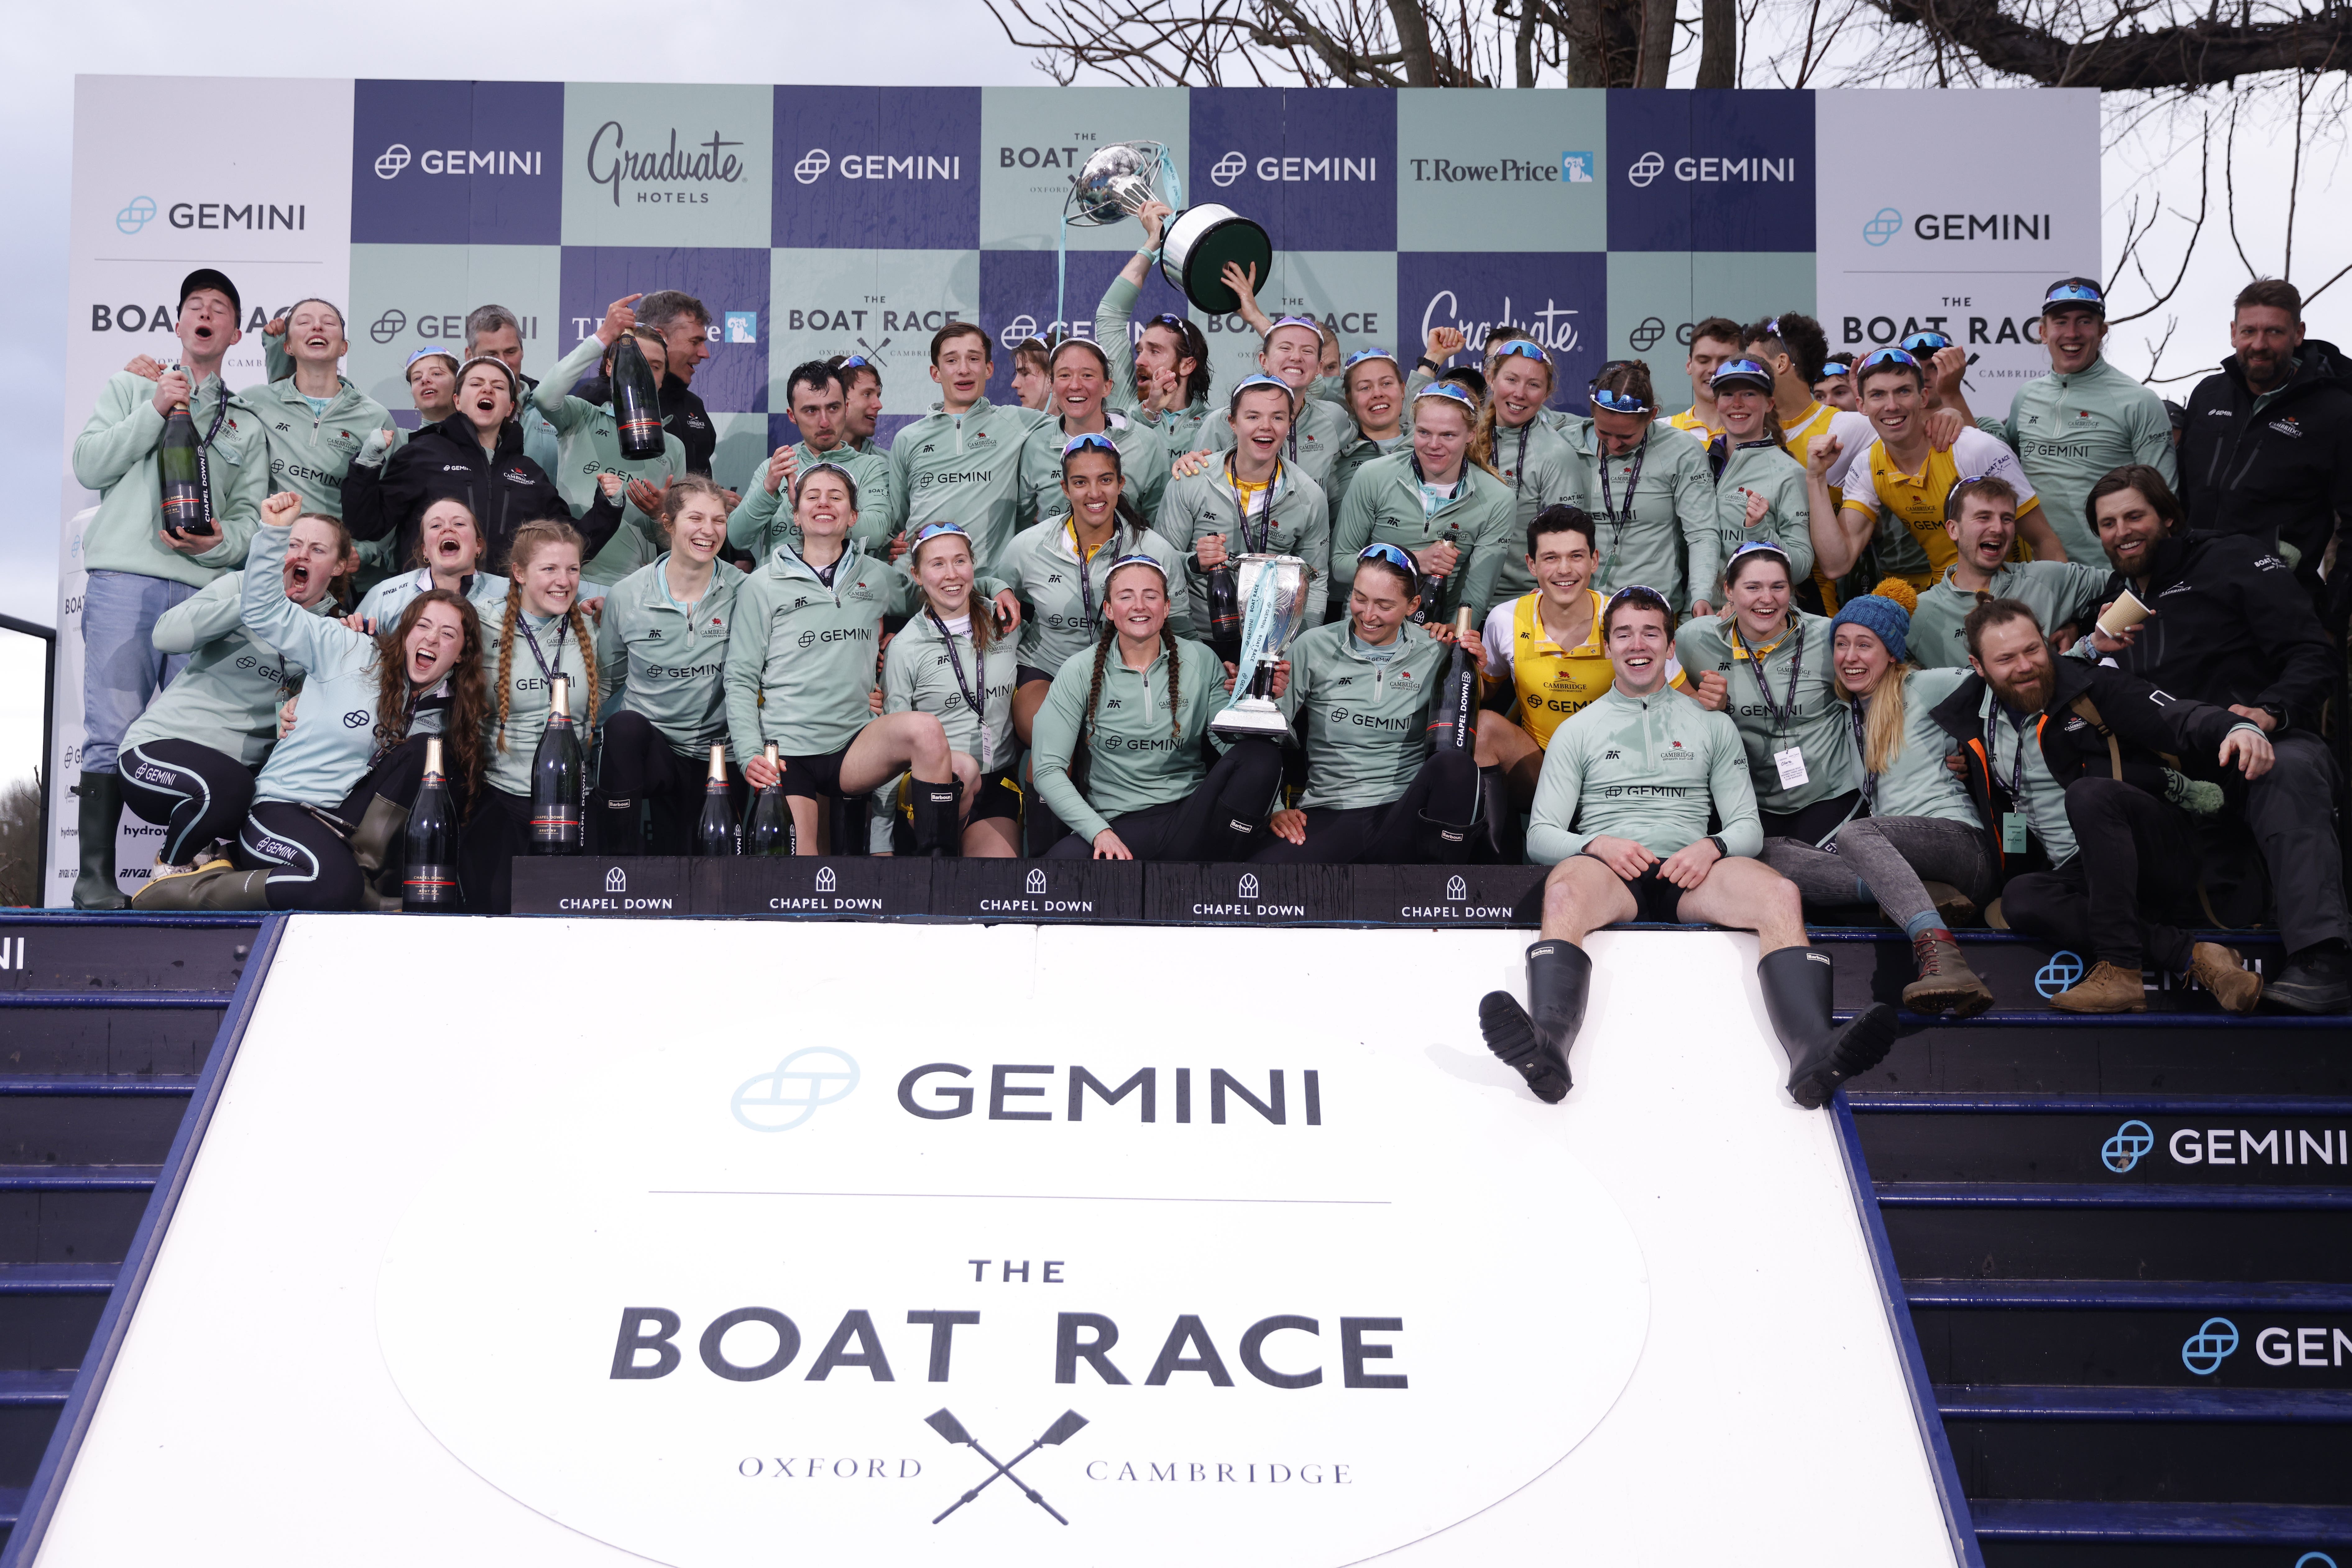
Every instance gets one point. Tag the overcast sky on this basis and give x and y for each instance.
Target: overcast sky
(911, 41)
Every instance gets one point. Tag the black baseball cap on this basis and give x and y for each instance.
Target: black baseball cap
(212, 278)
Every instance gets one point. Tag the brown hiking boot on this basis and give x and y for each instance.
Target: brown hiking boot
(2109, 988)
(1955, 907)
(2220, 971)
(1946, 983)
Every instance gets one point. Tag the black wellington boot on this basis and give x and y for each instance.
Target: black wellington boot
(935, 808)
(1822, 1054)
(620, 830)
(1558, 974)
(1498, 823)
(99, 808)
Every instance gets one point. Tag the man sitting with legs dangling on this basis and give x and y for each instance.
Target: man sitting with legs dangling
(1621, 810)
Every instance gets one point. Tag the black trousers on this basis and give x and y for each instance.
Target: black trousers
(496, 832)
(2292, 810)
(309, 862)
(1444, 790)
(194, 793)
(1201, 826)
(1809, 824)
(638, 763)
(2134, 853)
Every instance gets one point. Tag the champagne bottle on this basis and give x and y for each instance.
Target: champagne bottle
(1432, 586)
(1458, 720)
(771, 830)
(182, 477)
(429, 886)
(1224, 613)
(557, 774)
(715, 834)
(637, 401)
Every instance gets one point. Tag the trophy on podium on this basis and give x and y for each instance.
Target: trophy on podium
(1273, 610)
(1120, 178)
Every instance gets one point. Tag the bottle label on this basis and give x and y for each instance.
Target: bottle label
(429, 884)
(555, 824)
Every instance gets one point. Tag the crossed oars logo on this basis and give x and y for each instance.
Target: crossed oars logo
(945, 1424)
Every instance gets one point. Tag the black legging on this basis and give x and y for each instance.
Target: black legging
(1446, 790)
(638, 763)
(1218, 821)
(194, 793)
(495, 834)
(310, 864)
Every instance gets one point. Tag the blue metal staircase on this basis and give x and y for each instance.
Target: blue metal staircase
(2126, 1245)
(106, 1028)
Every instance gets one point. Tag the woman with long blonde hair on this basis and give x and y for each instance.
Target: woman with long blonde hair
(1920, 854)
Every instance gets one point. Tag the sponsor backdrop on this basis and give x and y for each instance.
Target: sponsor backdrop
(1336, 1291)
(818, 220)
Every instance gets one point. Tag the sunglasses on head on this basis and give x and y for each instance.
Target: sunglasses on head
(1927, 343)
(1739, 370)
(1521, 348)
(2074, 291)
(1619, 402)
(1094, 439)
(1171, 320)
(1393, 555)
(1125, 561)
(1309, 322)
(1877, 357)
(1836, 367)
(1451, 391)
(1360, 356)
(1634, 593)
(937, 530)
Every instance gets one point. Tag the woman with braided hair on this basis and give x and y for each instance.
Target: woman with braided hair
(326, 831)
(1120, 750)
(539, 635)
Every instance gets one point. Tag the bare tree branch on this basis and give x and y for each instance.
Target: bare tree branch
(2202, 51)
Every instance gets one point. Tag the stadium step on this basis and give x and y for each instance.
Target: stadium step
(2126, 1245)
(105, 1023)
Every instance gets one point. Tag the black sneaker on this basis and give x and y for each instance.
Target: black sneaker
(1858, 1045)
(2317, 980)
(1511, 1036)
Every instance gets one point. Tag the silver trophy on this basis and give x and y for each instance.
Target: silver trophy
(1272, 590)
(1122, 178)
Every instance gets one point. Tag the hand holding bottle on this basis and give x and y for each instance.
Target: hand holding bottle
(1437, 560)
(618, 318)
(762, 771)
(171, 391)
(1210, 553)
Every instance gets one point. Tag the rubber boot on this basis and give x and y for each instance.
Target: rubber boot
(936, 810)
(173, 888)
(619, 829)
(848, 823)
(231, 890)
(1559, 975)
(100, 817)
(1822, 1053)
(1444, 843)
(1945, 983)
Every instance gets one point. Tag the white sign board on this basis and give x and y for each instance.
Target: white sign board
(709, 1272)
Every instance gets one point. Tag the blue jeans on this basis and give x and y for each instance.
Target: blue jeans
(121, 670)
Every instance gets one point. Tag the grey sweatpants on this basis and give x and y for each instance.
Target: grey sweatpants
(1883, 860)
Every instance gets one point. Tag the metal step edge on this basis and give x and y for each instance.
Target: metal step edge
(2041, 1194)
(1877, 1102)
(2001, 1018)
(57, 1278)
(2129, 1295)
(2155, 1523)
(2055, 1402)
(95, 1085)
(187, 1000)
(20, 1390)
(78, 1178)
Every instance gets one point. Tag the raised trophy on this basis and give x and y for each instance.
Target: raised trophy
(1273, 610)
(1121, 177)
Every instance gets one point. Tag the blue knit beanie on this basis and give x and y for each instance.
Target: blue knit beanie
(1884, 612)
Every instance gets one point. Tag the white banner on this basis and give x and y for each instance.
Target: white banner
(1280, 1268)
(1954, 212)
(169, 176)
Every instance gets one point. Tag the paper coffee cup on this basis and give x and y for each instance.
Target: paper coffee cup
(2123, 613)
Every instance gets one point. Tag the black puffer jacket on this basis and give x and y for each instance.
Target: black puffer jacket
(2229, 626)
(2284, 475)
(444, 461)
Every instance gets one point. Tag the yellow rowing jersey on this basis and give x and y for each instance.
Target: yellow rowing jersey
(1916, 501)
(1690, 424)
(1798, 438)
(1550, 683)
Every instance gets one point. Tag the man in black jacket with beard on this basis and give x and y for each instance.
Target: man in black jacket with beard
(2061, 758)
(684, 323)
(2268, 446)
(2228, 625)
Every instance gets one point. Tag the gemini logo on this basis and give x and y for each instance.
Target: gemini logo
(2122, 1152)
(2060, 974)
(813, 165)
(1228, 169)
(392, 160)
(2204, 1351)
(1644, 169)
(136, 214)
(803, 1083)
(1883, 225)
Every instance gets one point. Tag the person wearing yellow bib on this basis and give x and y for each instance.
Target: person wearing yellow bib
(1544, 661)
(1893, 488)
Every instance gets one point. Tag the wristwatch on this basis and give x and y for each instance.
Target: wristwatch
(1721, 846)
(1430, 364)
(2278, 715)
